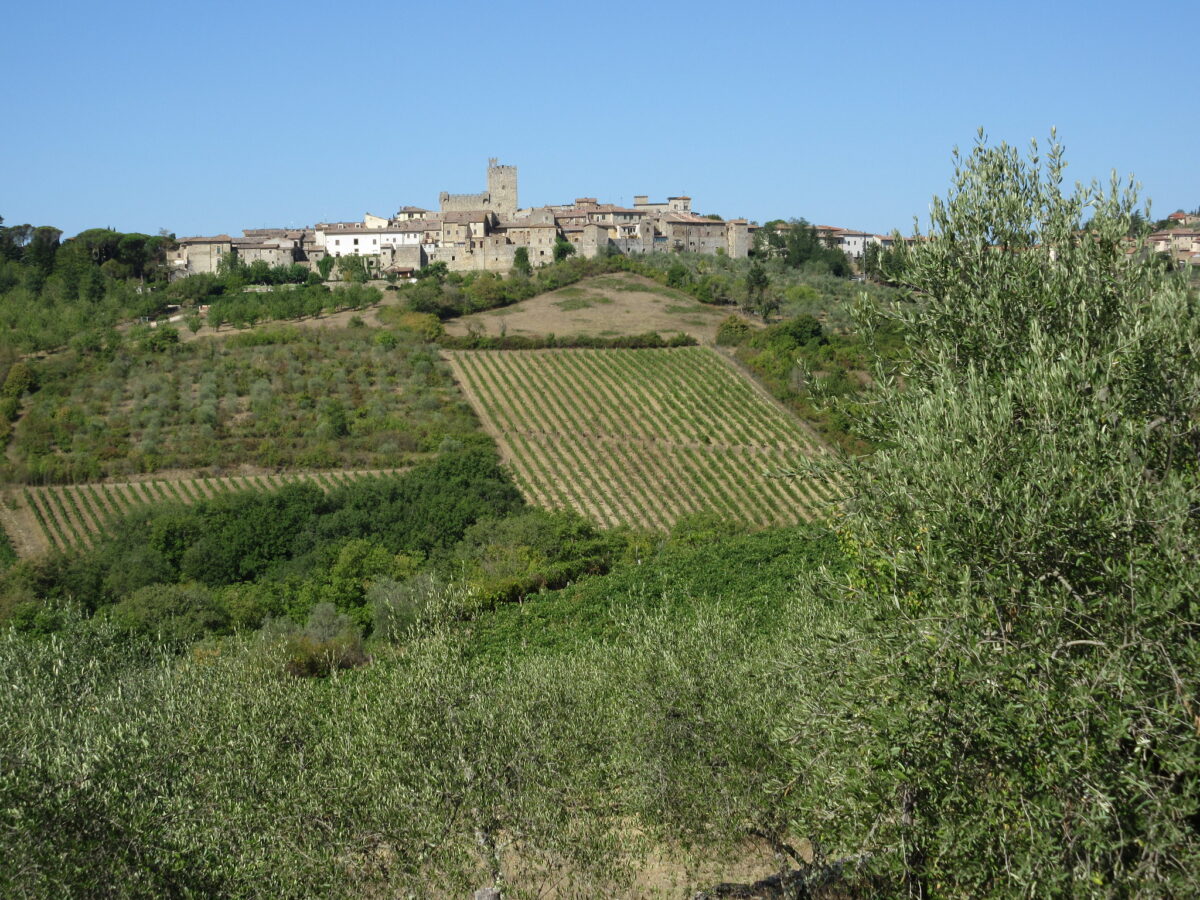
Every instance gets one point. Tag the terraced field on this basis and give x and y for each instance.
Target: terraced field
(642, 437)
(39, 519)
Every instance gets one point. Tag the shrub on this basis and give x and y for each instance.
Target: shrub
(18, 382)
(328, 642)
(733, 331)
(175, 613)
(1013, 712)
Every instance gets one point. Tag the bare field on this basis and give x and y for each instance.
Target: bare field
(642, 437)
(604, 306)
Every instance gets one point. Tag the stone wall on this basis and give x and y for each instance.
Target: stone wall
(272, 256)
(499, 198)
(737, 239)
(463, 202)
(407, 256)
(694, 237)
(594, 241)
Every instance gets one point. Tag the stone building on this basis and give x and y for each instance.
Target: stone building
(274, 246)
(197, 255)
(500, 197)
(482, 232)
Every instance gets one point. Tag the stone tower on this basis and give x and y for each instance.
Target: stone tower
(502, 188)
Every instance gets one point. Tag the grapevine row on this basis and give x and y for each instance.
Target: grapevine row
(72, 516)
(643, 437)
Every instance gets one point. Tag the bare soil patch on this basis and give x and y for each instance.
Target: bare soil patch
(602, 306)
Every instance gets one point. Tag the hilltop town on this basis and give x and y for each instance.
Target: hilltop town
(484, 231)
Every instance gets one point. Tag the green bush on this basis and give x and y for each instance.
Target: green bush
(1012, 713)
(328, 642)
(18, 381)
(733, 331)
(174, 613)
(217, 773)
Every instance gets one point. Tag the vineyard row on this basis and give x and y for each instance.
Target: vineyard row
(643, 437)
(59, 518)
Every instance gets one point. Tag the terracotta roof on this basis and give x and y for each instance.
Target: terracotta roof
(273, 232)
(683, 218)
(461, 218)
(215, 239)
(357, 228)
(415, 225)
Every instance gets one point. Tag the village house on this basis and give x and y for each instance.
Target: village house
(482, 232)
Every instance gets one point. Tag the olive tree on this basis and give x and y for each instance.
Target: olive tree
(1006, 698)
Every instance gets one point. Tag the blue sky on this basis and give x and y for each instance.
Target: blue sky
(213, 117)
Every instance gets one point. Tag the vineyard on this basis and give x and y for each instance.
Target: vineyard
(38, 519)
(642, 437)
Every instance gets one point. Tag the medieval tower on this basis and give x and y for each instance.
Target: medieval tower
(500, 197)
(502, 186)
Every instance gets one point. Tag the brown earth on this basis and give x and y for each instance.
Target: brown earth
(603, 306)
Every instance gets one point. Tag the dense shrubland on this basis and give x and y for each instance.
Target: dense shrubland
(371, 549)
(434, 769)
(818, 372)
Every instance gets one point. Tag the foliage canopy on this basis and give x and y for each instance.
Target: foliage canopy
(1016, 710)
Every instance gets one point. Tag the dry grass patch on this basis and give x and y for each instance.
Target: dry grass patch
(605, 305)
